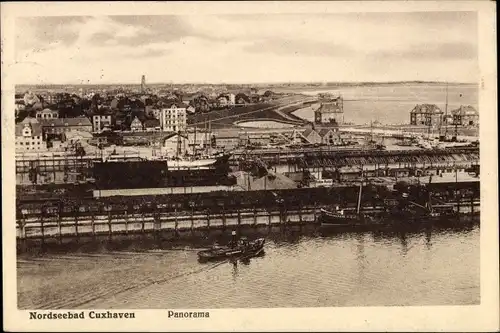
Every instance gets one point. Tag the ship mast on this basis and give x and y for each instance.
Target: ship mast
(446, 113)
(194, 146)
(359, 194)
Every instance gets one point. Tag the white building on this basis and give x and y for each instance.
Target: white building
(232, 99)
(29, 136)
(101, 121)
(173, 117)
(47, 114)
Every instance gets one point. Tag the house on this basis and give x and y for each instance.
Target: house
(29, 136)
(151, 125)
(331, 110)
(60, 125)
(47, 114)
(329, 136)
(175, 144)
(136, 125)
(173, 117)
(465, 115)
(312, 136)
(426, 115)
(102, 120)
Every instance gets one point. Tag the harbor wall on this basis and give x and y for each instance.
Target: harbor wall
(86, 227)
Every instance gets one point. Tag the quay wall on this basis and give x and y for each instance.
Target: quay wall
(58, 229)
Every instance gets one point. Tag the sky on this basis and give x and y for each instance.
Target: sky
(338, 47)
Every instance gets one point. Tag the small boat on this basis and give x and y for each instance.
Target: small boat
(242, 249)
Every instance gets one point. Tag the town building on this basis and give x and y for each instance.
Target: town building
(29, 136)
(173, 117)
(136, 125)
(60, 125)
(102, 121)
(426, 115)
(331, 110)
(47, 114)
(465, 115)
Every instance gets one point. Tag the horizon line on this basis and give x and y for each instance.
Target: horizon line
(249, 83)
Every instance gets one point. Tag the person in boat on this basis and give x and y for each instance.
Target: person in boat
(234, 240)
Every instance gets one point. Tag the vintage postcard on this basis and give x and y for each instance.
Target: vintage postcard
(250, 166)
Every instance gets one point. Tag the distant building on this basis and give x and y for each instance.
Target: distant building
(465, 115)
(331, 110)
(29, 136)
(47, 114)
(426, 115)
(232, 99)
(173, 117)
(143, 84)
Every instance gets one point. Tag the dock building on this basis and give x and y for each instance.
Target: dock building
(331, 110)
(466, 115)
(426, 115)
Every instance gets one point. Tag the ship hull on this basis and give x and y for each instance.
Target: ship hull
(160, 173)
(387, 221)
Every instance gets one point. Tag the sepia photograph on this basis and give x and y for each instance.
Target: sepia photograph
(202, 161)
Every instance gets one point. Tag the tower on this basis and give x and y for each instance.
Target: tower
(143, 84)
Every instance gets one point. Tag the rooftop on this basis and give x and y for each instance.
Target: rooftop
(426, 108)
(79, 121)
(36, 129)
(465, 110)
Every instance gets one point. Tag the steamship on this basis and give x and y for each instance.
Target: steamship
(133, 173)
